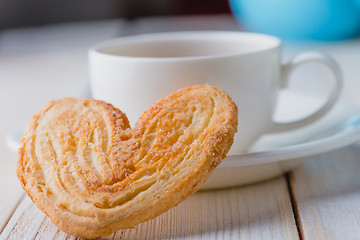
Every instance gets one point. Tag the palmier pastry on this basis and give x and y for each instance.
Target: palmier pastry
(82, 164)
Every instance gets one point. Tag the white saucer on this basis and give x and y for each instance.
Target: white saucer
(276, 154)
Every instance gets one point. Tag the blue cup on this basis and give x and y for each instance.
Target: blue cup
(328, 20)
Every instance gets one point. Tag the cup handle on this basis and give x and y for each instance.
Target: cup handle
(287, 69)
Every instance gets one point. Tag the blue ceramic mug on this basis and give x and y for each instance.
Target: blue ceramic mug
(300, 19)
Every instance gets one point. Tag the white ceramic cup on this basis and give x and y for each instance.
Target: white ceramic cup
(133, 72)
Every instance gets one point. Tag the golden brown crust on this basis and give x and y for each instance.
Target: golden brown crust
(91, 174)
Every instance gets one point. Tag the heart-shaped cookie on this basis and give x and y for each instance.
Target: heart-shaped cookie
(82, 164)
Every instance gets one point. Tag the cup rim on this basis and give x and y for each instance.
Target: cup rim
(97, 48)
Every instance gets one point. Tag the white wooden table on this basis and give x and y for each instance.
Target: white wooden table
(319, 200)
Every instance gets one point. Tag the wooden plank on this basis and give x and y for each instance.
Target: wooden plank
(261, 211)
(10, 190)
(25, 222)
(8, 205)
(326, 193)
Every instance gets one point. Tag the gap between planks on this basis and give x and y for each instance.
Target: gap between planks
(294, 207)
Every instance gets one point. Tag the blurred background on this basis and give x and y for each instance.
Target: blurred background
(296, 19)
(20, 13)
(44, 44)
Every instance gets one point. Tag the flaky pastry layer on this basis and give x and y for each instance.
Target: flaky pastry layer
(82, 164)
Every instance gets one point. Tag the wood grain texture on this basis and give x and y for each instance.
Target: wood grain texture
(326, 191)
(10, 197)
(261, 211)
(10, 189)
